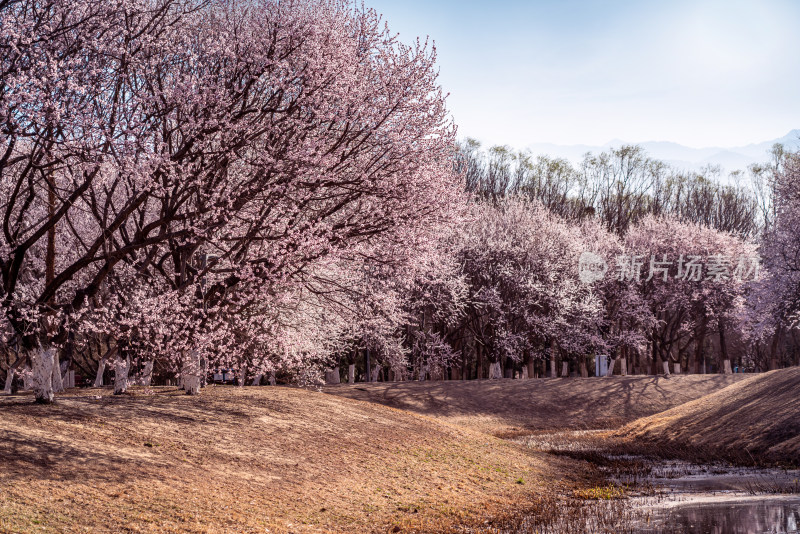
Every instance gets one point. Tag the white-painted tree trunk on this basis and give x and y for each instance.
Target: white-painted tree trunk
(122, 367)
(27, 379)
(375, 372)
(101, 368)
(676, 368)
(611, 366)
(9, 381)
(147, 373)
(726, 365)
(242, 375)
(525, 372)
(495, 371)
(530, 368)
(257, 379)
(58, 382)
(272, 381)
(42, 369)
(564, 368)
(190, 374)
(552, 368)
(666, 368)
(335, 377)
(351, 373)
(623, 367)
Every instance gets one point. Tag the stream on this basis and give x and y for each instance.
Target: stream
(718, 499)
(672, 496)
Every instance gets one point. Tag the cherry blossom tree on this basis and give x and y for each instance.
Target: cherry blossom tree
(520, 264)
(208, 149)
(694, 280)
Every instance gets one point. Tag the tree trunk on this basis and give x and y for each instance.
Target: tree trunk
(101, 368)
(272, 380)
(723, 349)
(773, 351)
(693, 365)
(27, 378)
(121, 369)
(58, 382)
(190, 374)
(552, 367)
(654, 357)
(351, 373)
(257, 379)
(147, 373)
(564, 369)
(332, 376)
(623, 366)
(665, 364)
(495, 370)
(9, 381)
(375, 371)
(529, 368)
(42, 369)
(242, 376)
(525, 374)
(611, 365)
(676, 368)
(584, 371)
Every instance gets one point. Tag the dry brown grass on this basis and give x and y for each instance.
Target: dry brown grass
(279, 459)
(757, 419)
(251, 460)
(508, 407)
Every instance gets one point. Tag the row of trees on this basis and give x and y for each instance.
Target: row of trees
(621, 186)
(275, 187)
(636, 214)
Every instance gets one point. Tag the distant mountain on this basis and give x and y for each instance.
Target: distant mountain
(683, 157)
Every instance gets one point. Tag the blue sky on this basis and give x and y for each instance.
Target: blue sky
(700, 73)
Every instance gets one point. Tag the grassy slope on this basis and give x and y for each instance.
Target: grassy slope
(286, 459)
(247, 460)
(505, 406)
(758, 417)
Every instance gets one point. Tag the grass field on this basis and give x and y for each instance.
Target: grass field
(419, 457)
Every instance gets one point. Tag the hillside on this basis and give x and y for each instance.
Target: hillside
(758, 418)
(247, 460)
(507, 406)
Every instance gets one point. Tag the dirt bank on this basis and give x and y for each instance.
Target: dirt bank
(503, 407)
(758, 418)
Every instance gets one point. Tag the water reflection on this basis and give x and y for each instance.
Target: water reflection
(764, 516)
